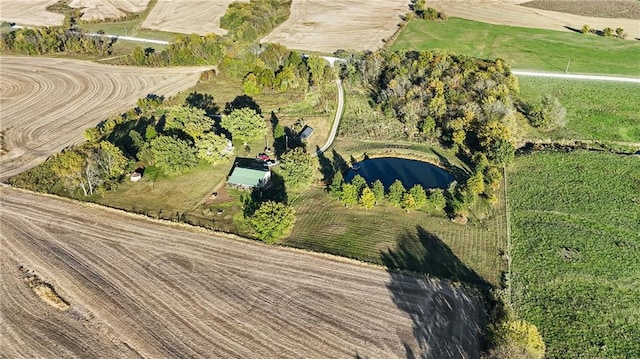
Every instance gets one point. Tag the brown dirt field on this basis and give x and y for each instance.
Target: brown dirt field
(32, 12)
(629, 9)
(508, 12)
(188, 17)
(46, 104)
(108, 9)
(327, 26)
(139, 288)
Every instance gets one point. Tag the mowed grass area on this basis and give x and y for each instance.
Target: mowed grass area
(596, 110)
(531, 49)
(421, 240)
(576, 251)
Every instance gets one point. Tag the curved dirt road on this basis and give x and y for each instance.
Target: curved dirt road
(140, 288)
(47, 103)
(336, 120)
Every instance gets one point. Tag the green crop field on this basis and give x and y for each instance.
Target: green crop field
(596, 110)
(576, 251)
(525, 48)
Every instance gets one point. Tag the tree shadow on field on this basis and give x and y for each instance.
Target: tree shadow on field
(448, 319)
(242, 101)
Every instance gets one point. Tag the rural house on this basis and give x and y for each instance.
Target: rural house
(249, 175)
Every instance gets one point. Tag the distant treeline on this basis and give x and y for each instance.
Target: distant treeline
(54, 40)
(246, 23)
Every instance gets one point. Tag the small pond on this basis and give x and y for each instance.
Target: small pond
(409, 172)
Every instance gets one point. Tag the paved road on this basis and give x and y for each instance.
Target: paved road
(576, 77)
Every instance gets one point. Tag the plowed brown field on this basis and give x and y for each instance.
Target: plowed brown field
(327, 26)
(188, 16)
(139, 288)
(108, 9)
(45, 104)
(32, 12)
(509, 12)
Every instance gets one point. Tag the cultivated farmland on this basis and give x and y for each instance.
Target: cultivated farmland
(510, 13)
(47, 103)
(32, 12)
(576, 251)
(129, 287)
(188, 17)
(327, 26)
(109, 9)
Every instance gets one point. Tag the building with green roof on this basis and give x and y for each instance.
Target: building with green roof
(249, 177)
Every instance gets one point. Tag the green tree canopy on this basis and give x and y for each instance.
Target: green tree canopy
(272, 221)
(173, 155)
(190, 120)
(419, 195)
(378, 191)
(396, 191)
(244, 124)
(437, 198)
(212, 148)
(297, 169)
(359, 182)
(335, 188)
(349, 194)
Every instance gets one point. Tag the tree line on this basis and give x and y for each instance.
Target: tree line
(54, 40)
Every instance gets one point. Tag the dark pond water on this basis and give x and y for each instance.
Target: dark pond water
(409, 172)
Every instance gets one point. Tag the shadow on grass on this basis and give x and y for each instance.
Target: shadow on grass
(448, 319)
(423, 252)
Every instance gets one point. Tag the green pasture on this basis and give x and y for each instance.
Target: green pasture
(596, 110)
(525, 48)
(575, 221)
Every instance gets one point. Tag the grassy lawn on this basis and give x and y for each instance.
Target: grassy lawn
(576, 251)
(525, 48)
(596, 110)
(426, 240)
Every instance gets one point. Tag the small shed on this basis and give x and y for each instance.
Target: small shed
(246, 177)
(305, 133)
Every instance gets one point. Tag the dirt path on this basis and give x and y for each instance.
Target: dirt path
(508, 12)
(336, 120)
(143, 288)
(46, 103)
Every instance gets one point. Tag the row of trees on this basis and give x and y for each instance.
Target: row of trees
(53, 40)
(606, 32)
(359, 192)
(248, 21)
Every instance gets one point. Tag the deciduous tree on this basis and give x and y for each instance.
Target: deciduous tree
(297, 169)
(396, 191)
(349, 195)
(244, 124)
(367, 198)
(378, 191)
(273, 221)
(173, 155)
(212, 148)
(419, 195)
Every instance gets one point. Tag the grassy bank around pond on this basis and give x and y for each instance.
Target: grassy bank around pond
(576, 251)
(524, 48)
(596, 110)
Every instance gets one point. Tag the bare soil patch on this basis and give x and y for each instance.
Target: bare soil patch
(326, 26)
(32, 12)
(509, 12)
(188, 17)
(629, 9)
(108, 9)
(169, 291)
(48, 103)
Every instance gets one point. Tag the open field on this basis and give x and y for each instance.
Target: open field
(137, 288)
(576, 251)
(531, 49)
(188, 17)
(596, 110)
(32, 12)
(629, 9)
(508, 12)
(326, 26)
(47, 103)
(108, 9)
